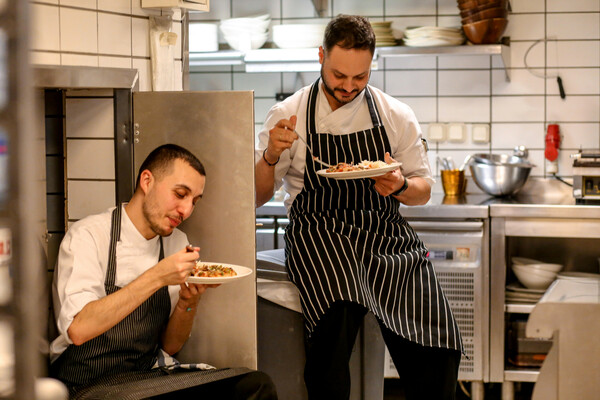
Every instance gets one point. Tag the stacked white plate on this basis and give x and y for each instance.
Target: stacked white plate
(427, 36)
(298, 36)
(517, 293)
(245, 34)
(383, 33)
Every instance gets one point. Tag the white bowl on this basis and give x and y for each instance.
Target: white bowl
(248, 24)
(543, 267)
(533, 278)
(298, 35)
(523, 261)
(246, 42)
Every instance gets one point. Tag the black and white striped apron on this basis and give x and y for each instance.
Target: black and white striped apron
(117, 364)
(345, 242)
(131, 345)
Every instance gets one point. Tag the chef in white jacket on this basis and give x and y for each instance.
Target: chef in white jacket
(348, 249)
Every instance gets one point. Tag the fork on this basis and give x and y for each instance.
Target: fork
(311, 152)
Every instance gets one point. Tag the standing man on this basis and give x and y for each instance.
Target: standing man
(348, 249)
(120, 295)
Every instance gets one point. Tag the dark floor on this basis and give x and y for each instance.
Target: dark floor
(493, 391)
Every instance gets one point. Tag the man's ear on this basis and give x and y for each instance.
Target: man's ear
(321, 55)
(146, 180)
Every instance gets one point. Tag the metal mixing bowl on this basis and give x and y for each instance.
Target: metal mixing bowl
(500, 179)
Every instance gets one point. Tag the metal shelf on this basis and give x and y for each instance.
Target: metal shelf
(303, 60)
(521, 375)
(518, 308)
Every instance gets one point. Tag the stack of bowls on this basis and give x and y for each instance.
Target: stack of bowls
(297, 36)
(483, 21)
(245, 34)
(535, 274)
(384, 35)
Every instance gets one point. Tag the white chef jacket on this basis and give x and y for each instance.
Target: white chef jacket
(83, 260)
(400, 122)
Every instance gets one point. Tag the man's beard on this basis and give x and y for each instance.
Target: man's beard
(331, 91)
(147, 211)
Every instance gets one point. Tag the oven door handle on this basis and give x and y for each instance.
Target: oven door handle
(472, 226)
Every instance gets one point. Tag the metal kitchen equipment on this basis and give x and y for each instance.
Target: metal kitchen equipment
(586, 176)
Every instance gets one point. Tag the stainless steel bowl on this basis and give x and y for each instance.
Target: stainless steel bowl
(496, 159)
(501, 179)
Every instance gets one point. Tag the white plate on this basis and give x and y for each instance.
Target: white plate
(365, 173)
(517, 287)
(579, 276)
(241, 272)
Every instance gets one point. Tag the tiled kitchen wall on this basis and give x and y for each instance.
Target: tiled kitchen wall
(462, 89)
(99, 33)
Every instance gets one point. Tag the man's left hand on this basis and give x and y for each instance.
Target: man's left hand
(388, 183)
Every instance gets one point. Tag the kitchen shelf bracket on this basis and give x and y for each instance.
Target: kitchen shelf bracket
(320, 7)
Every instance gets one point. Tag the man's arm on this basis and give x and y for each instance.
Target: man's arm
(417, 192)
(98, 316)
(281, 138)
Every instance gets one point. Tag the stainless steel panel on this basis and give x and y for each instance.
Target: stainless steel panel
(219, 128)
(553, 227)
(497, 289)
(534, 209)
(65, 77)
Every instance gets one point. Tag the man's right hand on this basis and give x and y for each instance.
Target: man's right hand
(281, 137)
(174, 270)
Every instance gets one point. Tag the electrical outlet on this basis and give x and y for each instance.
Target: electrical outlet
(457, 132)
(480, 133)
(436, 132)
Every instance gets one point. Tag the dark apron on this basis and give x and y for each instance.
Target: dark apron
(346, 242)
(120, 359)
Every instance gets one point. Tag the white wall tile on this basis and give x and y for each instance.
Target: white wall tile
(218, 10)
(293, 81)
(575, 81)
(572, 5)
(525, 27)
(241, 8)
(573, 26)
(518, 50)
(114, 34)
(263, 84)
(89, 118)
(261, 108)
(78, 30)
(210, 81)
(521, 82)
(463, 62)
(118, 6)
(114, 62)
(45, 23)
(573, 53)
(464, 83)
(377, 79)
(359, 7)
(77, 59)
(420, 63)
(464, 109)
(89, 197)
(145, 73)
(520, 6)
(90, 159)
(410, 83)
(412, 7)
(140, 37)
(573, 108)
(425, 108)
(450, 21)
(298, 9)
(91, 4)
(517, 108)
(41, 57)
(447, 7)
(579, 135)
(509, 135)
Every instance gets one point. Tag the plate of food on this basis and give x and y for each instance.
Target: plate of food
(364, 169)
(213, 273)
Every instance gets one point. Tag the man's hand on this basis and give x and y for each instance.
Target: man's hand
(174, 270)
(388, 183)
(281, 137)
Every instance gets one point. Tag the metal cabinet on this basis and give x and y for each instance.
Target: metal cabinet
(565, 234)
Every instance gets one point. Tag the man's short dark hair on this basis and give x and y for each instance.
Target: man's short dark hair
(161, 159)
(349, 32)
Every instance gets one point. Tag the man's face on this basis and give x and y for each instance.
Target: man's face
(171, 199)
(345, 73)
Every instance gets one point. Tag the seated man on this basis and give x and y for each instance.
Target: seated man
(121, 299)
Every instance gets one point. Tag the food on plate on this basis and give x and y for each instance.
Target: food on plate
(363, 165)
(212, 271)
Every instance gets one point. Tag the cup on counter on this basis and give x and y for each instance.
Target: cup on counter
(454, 182)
